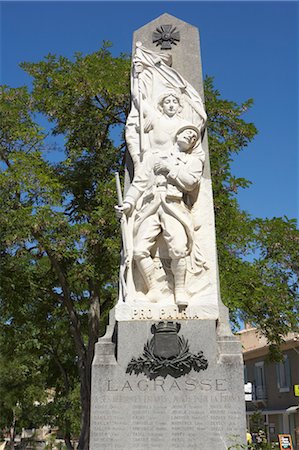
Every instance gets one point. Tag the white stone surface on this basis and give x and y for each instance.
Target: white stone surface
(200, 410)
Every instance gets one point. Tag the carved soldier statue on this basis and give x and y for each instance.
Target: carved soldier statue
(161, 226)
(164, 180)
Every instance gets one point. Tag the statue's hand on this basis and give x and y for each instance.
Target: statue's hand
(137, 67)
(161, 167)
(126, 209)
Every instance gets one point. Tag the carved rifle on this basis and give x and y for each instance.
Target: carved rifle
(123, 226)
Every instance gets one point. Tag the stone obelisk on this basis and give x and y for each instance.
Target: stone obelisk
(168, 373)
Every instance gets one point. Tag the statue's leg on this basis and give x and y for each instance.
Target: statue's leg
(177, 242)
(144, 241)
(178, 267)
(147, 270)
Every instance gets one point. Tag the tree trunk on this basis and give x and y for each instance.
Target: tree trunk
(85, 409)
(85, 389)
(85, 370)
(67, 440)
(12, 431)
(12, 438)
(85, 353)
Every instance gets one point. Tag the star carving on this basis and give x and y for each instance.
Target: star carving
(166, 36)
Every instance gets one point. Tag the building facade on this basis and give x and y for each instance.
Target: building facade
(275, 386)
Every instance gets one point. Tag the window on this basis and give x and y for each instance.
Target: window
(259, 378)
(283, 374)
(245, 374)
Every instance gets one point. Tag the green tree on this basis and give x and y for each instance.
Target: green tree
(258, 258)
(60, 239)
(56, 219)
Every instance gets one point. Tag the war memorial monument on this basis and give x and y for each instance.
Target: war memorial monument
(168, 374)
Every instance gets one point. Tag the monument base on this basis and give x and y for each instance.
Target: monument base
(192, 401)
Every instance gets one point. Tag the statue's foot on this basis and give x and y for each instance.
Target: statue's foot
(153, 295)
(181, 299)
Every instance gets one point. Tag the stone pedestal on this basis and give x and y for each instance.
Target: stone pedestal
(198, 410)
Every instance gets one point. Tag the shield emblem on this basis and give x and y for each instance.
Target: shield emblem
(166, 341)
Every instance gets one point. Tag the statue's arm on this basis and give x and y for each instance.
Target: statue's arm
(139, 184)
(187, 176)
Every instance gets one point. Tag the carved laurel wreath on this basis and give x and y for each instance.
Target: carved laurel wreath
(153, 366)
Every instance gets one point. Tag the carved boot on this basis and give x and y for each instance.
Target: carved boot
(178, 267)
(147, 270)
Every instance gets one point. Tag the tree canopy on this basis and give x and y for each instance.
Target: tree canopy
(59, 237)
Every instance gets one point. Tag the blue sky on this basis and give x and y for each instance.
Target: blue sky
(251, 48)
